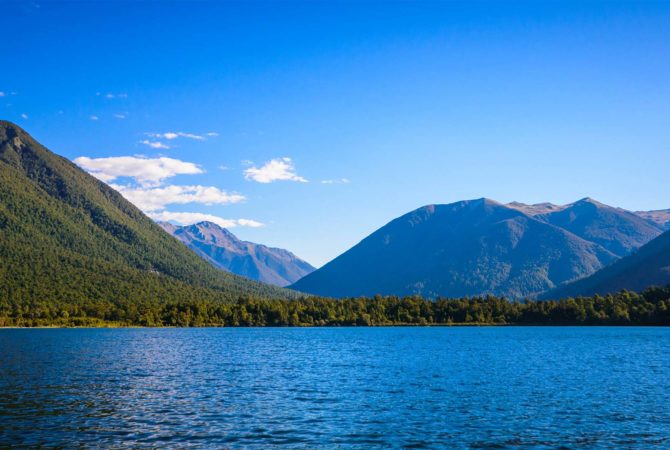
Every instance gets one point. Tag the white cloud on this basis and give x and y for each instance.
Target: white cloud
(279, 169)
(152, 198)
(94, 117)
(170, 135)
(337, 181)
(249, 223)
(24, 116)
(191, 136)
(189, 218)
(146, 171)
(119, 116)
(212, 134)
(154, 144)
(157, 198)
(110, 95)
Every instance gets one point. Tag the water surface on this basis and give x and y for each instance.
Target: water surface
(495, 387)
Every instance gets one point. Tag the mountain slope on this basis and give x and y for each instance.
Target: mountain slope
(660, 217)
(66, 235)
(224, 250)
(465, 248)
(649, 266)
(619, 231)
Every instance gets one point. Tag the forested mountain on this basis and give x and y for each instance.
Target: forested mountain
(649, 266)
(224, 250)
(465, 248)
(64, 235)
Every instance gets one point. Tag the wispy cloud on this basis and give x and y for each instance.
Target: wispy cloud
(157, 198)
(154, 144)
(337, 181)
(145, 171)
(189, 218)
(170, 135)
(119, 116)
(279, 169)
(2, 94)
(94, 117)
(111, 95)
(24, 116)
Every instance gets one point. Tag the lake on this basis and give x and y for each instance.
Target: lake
(458, 387)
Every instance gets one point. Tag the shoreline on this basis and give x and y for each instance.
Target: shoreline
(458, 325)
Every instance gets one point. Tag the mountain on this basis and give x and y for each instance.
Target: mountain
(64, 235)
(660, 218)
(619, 231)
(224, 250)
(460, 249)
(537, 208)
(649, 266)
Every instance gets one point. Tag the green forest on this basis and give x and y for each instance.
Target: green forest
(651, 307)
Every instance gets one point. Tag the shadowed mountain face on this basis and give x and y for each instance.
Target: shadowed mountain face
(649, 266)
(615, 229)
(224, 250)
(465, 248)
(66, 235)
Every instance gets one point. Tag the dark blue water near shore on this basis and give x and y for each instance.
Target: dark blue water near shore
(367, 387)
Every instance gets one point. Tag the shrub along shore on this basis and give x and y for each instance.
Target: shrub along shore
(651, 307)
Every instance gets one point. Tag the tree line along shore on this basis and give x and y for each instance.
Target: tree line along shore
(650, 307)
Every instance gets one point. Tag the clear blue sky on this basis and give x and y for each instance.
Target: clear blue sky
(411, 103)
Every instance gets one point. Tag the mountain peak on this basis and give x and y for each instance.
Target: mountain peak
(222, 249)
(591, 201)
(615, 229)
(6, 125)
(471, 247)
(208, 224)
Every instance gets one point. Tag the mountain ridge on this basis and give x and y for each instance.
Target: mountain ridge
(470, 247)
(224, 250)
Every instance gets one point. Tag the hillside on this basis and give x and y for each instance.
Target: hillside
(64, 235)
(615, 229)
(464, 248)
(660, 217)
(224, 250)
(649, 266)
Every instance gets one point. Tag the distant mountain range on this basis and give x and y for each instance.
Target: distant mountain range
(224, 250)
(481, 247)
(66, 236)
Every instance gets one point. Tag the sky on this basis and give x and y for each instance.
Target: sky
(307, 126)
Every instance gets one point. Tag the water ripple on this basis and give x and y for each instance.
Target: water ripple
(488, 388)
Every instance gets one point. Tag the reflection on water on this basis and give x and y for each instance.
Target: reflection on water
(399, 387)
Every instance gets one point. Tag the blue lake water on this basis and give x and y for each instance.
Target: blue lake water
(505, 387)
